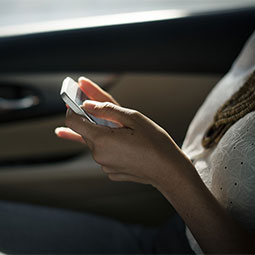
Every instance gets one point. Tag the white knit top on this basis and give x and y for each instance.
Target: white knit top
(228, 170)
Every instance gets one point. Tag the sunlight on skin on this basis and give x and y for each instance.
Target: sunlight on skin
(67, 133)
(94, 92)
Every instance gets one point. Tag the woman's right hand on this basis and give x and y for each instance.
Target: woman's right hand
(94, 92)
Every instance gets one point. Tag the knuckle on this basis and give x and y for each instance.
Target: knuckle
(89, 144)
(107, 106)
(99, 150)
(96, 157)
(106, 169)
(99, 157)
(113, 177)
(135, 115)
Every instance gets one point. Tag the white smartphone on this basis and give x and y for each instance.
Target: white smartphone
(74, 97)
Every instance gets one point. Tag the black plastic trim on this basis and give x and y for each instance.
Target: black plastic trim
(206, 43)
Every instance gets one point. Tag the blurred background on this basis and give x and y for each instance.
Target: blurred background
(160, 57)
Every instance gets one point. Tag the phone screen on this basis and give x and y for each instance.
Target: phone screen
(80, 97)
(75, 97)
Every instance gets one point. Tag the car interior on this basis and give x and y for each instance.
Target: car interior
(163, 68)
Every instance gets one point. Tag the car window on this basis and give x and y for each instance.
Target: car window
(25, 11)
(16, 13)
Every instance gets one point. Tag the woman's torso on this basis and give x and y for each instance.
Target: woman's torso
(228, 169)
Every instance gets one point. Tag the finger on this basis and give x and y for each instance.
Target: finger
(110, 111)
(109, 170)
(69, 134)
(82, 126)
(94, 92)
(121, 177)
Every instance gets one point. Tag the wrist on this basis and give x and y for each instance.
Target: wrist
(176, 173)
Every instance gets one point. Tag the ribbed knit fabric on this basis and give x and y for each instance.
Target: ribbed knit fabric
(241, 103)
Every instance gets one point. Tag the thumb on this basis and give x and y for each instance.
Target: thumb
(109, 111)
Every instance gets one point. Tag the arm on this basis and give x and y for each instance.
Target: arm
(213, 228)
(143, 152)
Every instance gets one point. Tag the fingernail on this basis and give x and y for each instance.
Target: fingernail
(57, 130)
(82, 78)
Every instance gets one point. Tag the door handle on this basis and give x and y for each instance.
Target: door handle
(18, 104)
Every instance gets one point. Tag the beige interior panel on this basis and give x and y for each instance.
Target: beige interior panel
(34, 138)
(171, 100)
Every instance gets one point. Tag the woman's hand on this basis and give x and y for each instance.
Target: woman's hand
(138, 151)
(94, 92)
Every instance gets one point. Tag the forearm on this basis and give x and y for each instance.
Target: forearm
(213, 228)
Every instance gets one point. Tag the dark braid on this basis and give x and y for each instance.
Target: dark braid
(241, 103)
